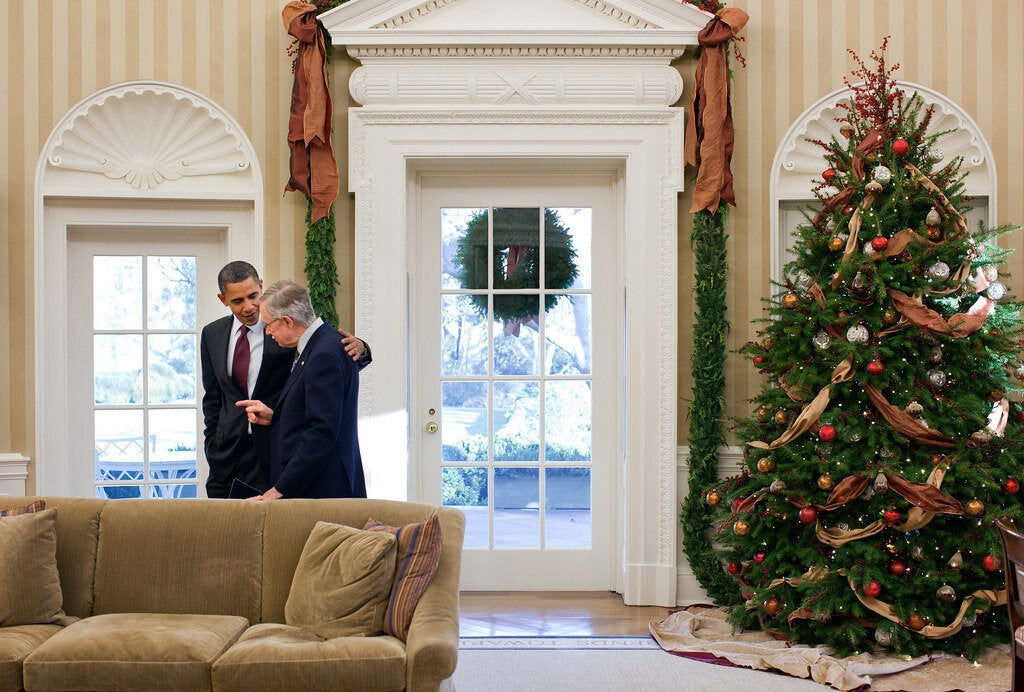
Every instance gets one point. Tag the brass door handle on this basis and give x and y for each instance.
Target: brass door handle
(431, 427)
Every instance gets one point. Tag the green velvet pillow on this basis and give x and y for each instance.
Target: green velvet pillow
(419, 553)
(30, 588)
(342, 582)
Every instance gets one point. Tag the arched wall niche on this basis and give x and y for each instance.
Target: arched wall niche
(798, 161)
(147, 158)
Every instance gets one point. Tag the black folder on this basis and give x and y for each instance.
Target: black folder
(240, 490)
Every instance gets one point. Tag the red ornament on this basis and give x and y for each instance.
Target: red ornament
(808, 515)
(759, 557)
(897, 568)
(900, 147)
(1011, 486)
(736, 504)
(891, 516)
(873, 589)
(848, 210)
(758, 360)
(827, 433)
(875, 368)
(991, 563)
(828, 175)
(879, 243)
(733, 568)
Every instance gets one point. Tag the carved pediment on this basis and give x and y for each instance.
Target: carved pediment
(368, 27)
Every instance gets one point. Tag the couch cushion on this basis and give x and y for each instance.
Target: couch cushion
(419, 552)
(342, 582)
(15, 644)
(199, 557)
(280, 657)
(133, 651)
(30, 588)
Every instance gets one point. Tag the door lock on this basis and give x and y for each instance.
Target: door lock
(431, 427)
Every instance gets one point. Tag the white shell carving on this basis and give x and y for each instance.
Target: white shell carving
(146, 135)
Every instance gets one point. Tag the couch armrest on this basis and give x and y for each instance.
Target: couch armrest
(432, 647)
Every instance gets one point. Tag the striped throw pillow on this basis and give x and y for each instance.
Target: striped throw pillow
(419, 552)
(36, 506)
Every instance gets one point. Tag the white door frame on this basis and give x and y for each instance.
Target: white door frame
(132, 154)
(646, 145)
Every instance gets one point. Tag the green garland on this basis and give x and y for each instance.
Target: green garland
(706, 432)
(321, 269)
(515, 228)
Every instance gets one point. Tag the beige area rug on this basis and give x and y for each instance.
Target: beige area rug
(703, 631)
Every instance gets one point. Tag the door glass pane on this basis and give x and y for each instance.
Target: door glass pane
(120, 445)
(171, 283)
(464, 336)
(567, 420)
(516, 421)
(568, 332)
(117, 368)
(516, 343)
(578, 223)
(464, 433)
(516, 248)
(517, 507)
(172, 368)
(117, 293)
(464, 248)
(466, 488)
(567, 508)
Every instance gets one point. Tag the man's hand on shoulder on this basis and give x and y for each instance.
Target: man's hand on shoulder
(354, 346)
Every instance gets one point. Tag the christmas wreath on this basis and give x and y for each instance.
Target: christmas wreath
(516, 260)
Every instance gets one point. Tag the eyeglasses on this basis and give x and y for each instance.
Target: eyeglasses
(276, 319)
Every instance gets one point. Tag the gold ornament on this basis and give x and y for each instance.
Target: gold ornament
(915, 622)
(975, 508)
(713, 498)
(772, 605)
(781, 417)
(890, 316)
(765, 465)
(741, 528)
(790, 301)
(825, 482)
(763, 414)
(767, 343)
(995, 396)
(934, 233)
(836, 244)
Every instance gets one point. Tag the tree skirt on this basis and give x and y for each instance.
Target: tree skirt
(703, 632)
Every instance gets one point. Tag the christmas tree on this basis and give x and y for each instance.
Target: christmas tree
(883, 445)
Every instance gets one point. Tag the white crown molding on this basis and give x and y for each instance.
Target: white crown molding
(144, 134)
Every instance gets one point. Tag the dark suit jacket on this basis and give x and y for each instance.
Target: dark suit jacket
(228, 449)
(314, 443)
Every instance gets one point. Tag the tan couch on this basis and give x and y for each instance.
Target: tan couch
(191, 594)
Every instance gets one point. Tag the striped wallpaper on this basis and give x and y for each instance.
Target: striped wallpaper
(233, 51)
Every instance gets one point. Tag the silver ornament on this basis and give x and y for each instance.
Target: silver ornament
(843, 526)
(933, 218)
(855, 436)
(995, 290)
(822, 340)
(883, 637)
(868, 249)
(970, 618)
(957, 561)
(885, 453)
(882, 174)
(858, 334)
(917, 552)
(935, 153)
(831, 226)
(991, 272)
(946, 593)
(881, 482)
(873, 187)
(804, 280)
(939, 271)
(937, 378)
(915, 409)
(937, 355)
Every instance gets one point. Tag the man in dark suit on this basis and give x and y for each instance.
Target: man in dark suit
(314, 443)
(234, 370)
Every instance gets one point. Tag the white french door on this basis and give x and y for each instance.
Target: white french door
(135, 309)
(517, 333)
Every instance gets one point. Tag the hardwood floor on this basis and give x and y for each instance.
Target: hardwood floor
(552, 614)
